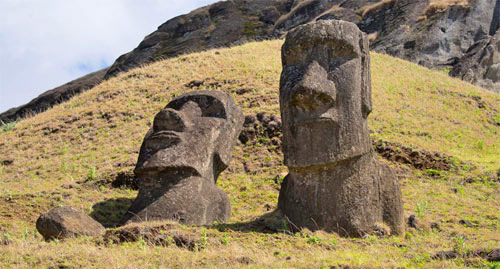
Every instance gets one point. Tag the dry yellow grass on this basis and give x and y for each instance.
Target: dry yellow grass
(297, 5)
(365, 10)
(437, 6)
(69, 154)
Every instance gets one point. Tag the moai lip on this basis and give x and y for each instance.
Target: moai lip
(335, 183)
(189, 145)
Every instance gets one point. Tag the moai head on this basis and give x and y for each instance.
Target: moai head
(195, 132)
(325, 94)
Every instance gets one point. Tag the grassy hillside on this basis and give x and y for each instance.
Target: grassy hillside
(71, 154)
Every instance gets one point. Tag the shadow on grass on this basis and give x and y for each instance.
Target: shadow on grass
(110, 212)
(269, 223)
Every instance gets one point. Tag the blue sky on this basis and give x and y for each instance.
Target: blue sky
(46, 43)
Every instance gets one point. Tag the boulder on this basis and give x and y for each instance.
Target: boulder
(66, 222)
(335, 183)
(190, 144)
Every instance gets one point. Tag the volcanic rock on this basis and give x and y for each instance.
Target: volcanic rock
(335, 182)
(190, 144)
(66, 222)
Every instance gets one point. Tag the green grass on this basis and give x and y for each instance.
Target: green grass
(70, 154)
(5, 127)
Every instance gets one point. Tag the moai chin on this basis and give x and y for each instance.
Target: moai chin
(190, 144)
(335, 183)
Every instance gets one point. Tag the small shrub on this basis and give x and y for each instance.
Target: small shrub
(7, 126)
(495, 265)
(480, 145)
(91, 175)
(284, 225)
(496, 119)
(64, 166)
(446, 70)
(408, 235)
(433, 172)
(314, 239)
(455, 163)
(332, 242)
(7, 237)
(460, 246)
(25, 233)
(203, 240)
(225, 239)
(421, 208)
(141, 243)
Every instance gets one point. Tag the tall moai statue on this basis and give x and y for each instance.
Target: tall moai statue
(190, 144)
(335, 183)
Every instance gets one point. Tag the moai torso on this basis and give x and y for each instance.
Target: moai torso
(335, 183)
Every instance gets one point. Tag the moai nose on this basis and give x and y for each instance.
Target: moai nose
(169, 120)
(314, 89)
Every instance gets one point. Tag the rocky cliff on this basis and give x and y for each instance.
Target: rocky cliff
(444, 34)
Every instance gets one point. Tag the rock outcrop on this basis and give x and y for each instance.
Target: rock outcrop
(67, 222)
(335, 183)
(433, 35)
(221, 24)
(481, 64)
(436, 35)
(442, 37)
(190, 144)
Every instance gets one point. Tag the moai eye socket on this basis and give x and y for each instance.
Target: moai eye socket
(209, 105)
(338, 63)
(169, 119)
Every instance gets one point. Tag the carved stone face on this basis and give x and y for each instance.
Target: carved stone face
(325, 94)
(194, 132)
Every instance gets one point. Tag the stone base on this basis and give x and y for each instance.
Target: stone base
(352, 198)
(192, 200)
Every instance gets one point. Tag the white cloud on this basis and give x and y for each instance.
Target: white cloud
(46, 43)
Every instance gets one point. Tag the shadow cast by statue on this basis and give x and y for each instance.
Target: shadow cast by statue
(269, 223)
(111, 211)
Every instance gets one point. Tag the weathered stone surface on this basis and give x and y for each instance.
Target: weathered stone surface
(481, 64)
(190, 144)
(334, 183)
(66, 222)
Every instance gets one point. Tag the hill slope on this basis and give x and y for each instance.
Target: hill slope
(82, 152)
(453, 34)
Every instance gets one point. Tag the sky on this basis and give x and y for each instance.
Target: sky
(46, 43)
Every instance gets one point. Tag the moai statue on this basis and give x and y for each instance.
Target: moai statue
(335, 183)
(190, 144)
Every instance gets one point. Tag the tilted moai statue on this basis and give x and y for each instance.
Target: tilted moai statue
(335, 183)
(190, 144)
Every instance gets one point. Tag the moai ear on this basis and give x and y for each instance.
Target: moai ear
(366, 83)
